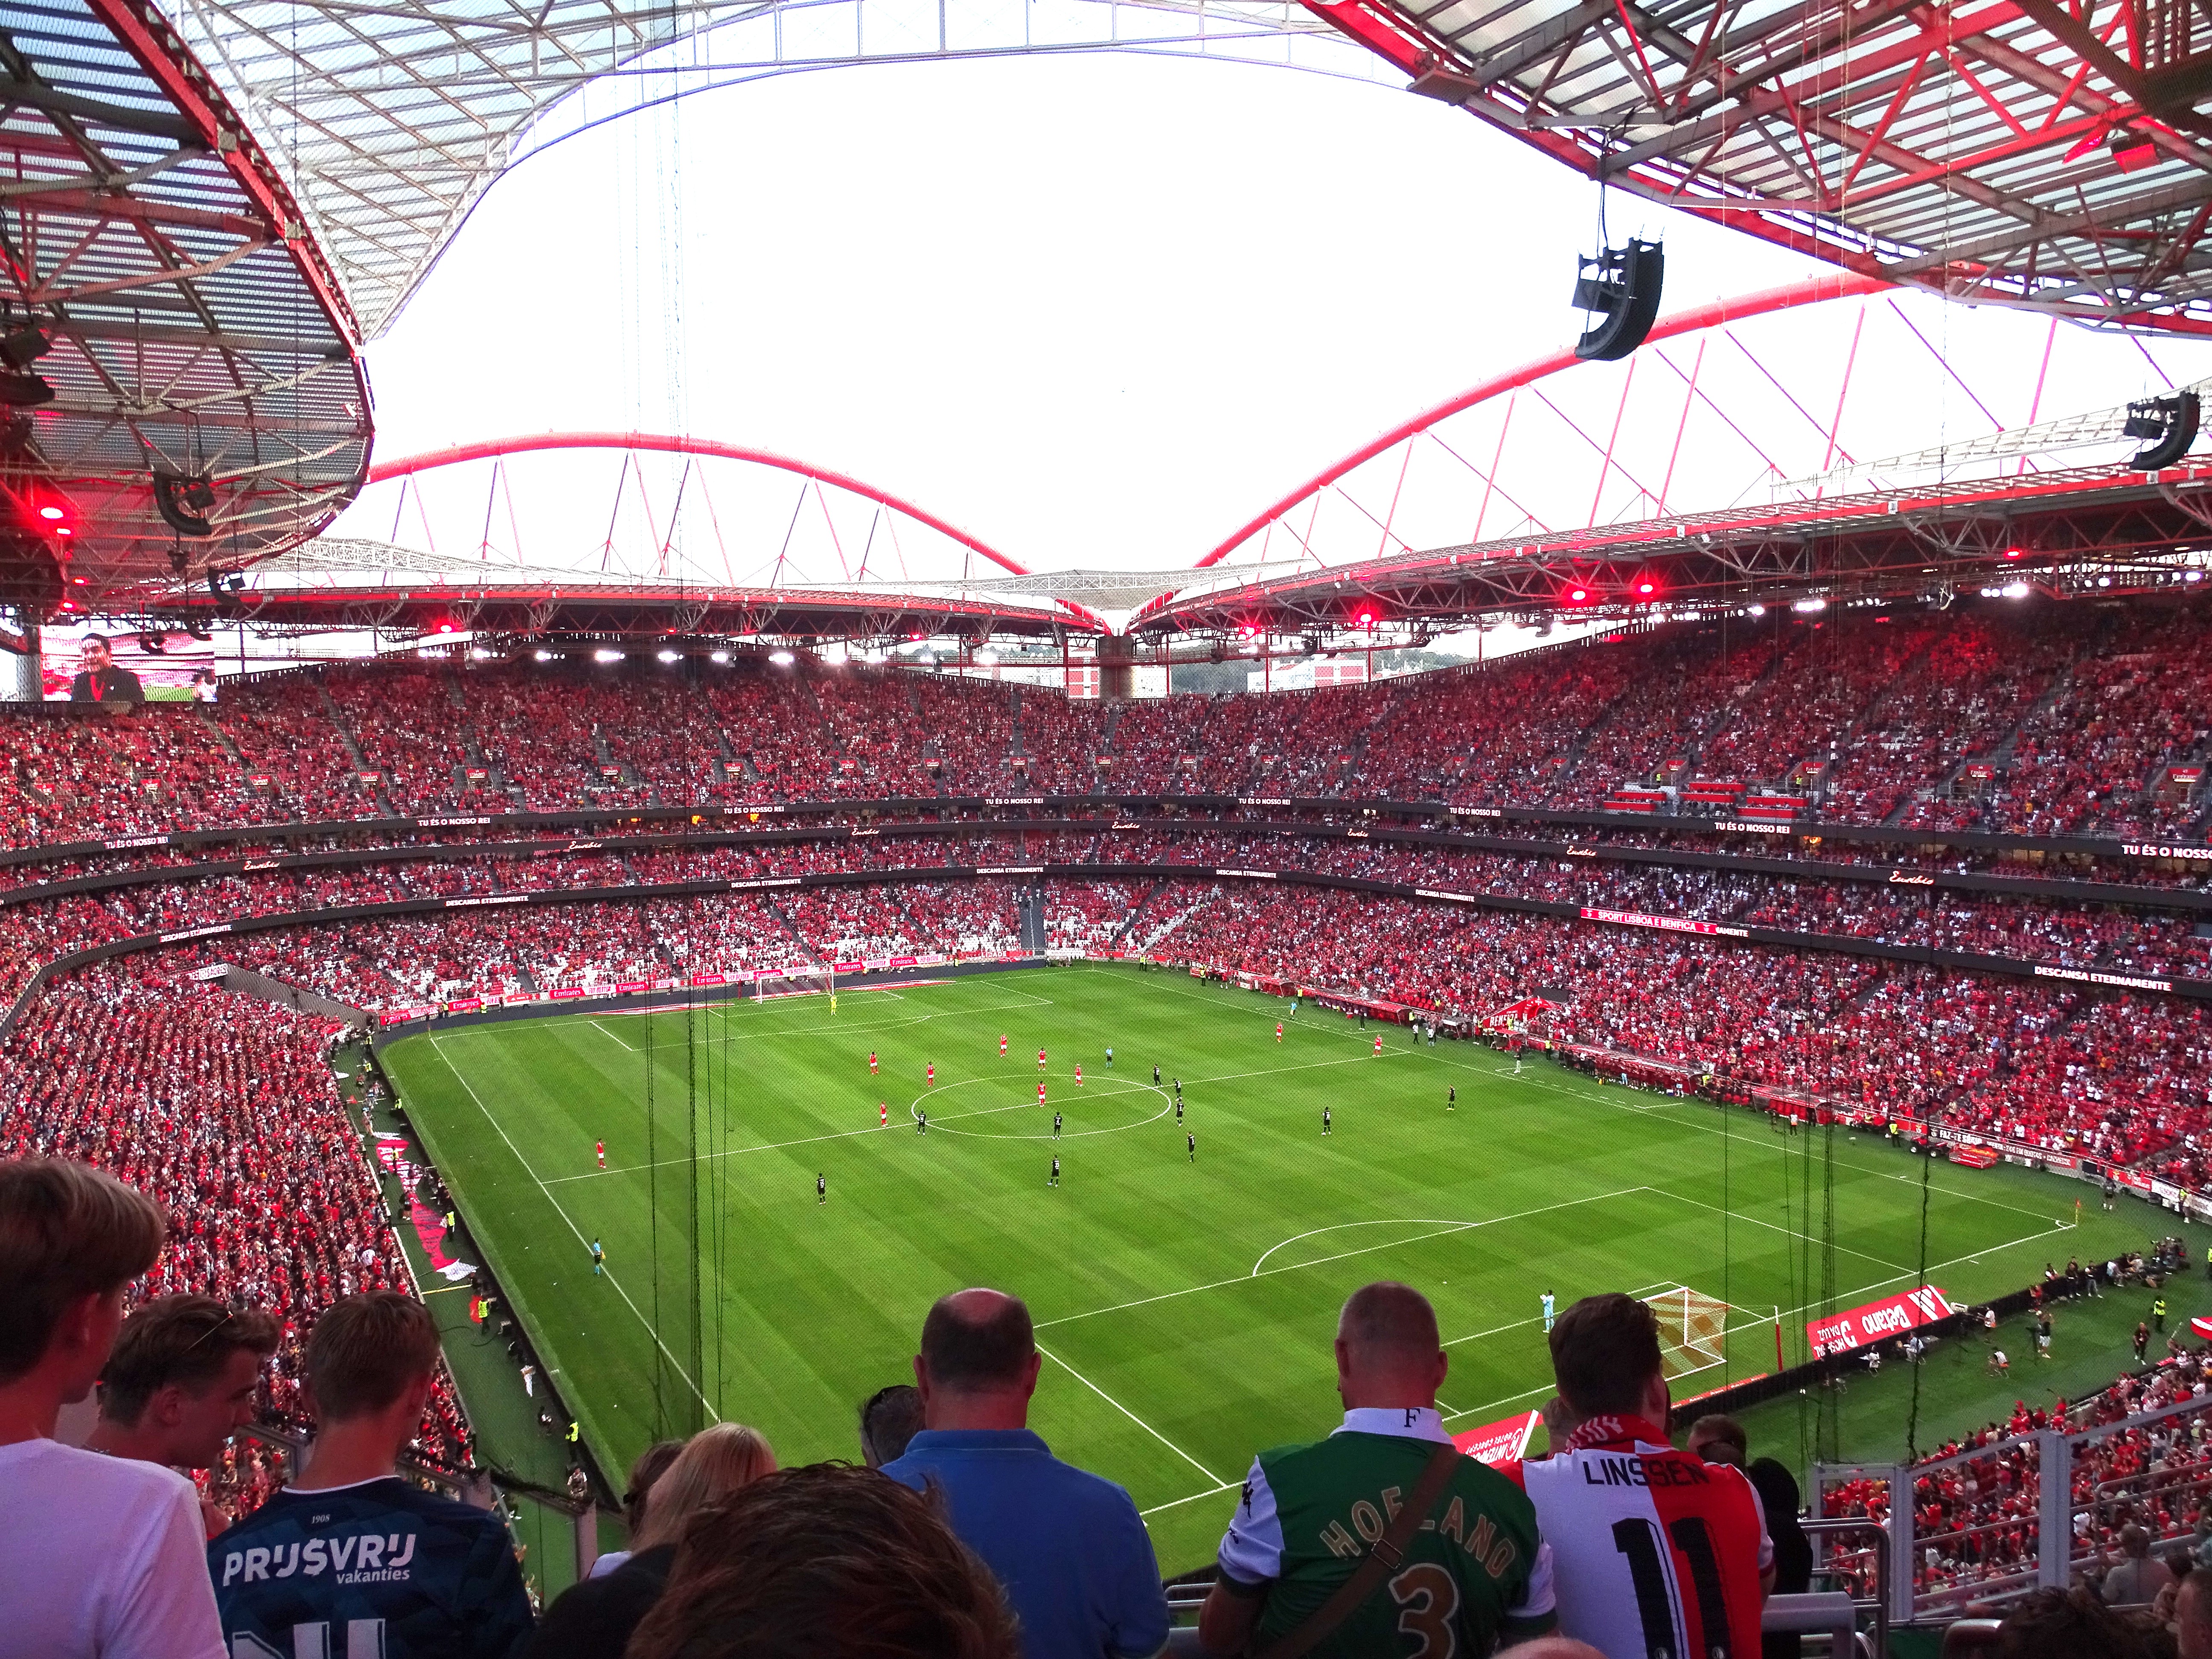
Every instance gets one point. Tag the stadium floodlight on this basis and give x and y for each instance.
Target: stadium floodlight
(478, 654)
(1577, 593)
(722, 657)
(1809, 607)
(543, 655)
(781, 659)
(2015, 590)
(987, 657)
(607, 654)
(671, 656)
(1756, 610)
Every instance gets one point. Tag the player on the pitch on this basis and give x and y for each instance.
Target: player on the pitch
(1040, 1059)
(1155, 1076)
(1178, 1108)
(1324, 1119)
(1451, 1096)
(1054, 1180)
(598, 1259)
(821, 1190)
(1078, 1074)
(1040, 1091)
(932, 1074)
(600, 1147)
(1056, 1126)
(1548, 1305)
(1278, 1030)
(872, 1062)
(920, 1121)
(1190, 1140)
(1002, 1045)
(1178, 1083)
(1109, 1053)
(1378, 1042)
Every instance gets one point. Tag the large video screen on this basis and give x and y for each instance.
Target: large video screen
(165, 663)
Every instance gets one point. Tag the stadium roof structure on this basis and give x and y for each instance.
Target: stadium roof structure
(343, 583)
(394, 119)
(2082, 529)
(169, 321)
(2049, 154)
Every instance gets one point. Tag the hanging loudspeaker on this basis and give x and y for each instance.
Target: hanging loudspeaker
(2171, 421)
(1621, 287)
(184, 502)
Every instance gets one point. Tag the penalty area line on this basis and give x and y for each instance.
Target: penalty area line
(1131, 1415)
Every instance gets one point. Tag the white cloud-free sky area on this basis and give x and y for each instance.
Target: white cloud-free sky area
(1100, 310)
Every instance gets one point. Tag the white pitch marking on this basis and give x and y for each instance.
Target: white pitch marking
(1244, 1279)
(1126, 1413)
(573, 1227)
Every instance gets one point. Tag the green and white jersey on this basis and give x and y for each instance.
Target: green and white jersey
(1476, 1569)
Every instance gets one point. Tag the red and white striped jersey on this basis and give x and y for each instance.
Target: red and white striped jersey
(1655, 1554)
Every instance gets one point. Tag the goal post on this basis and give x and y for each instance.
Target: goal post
(1692, 1329)
(794, 983)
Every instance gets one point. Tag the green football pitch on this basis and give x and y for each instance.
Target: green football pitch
(1185, 1305)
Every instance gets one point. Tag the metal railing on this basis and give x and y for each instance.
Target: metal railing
(2058, 1536)
(1828, 1614)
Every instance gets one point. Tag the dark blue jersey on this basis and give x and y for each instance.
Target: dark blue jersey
(377, 1570)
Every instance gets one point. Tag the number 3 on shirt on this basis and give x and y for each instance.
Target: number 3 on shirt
(1428, 1596)
(1637, 1540)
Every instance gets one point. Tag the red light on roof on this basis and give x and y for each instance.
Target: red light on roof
(79, 581)
(1646, 589)
(50, 512)
(1579, 596)
(445, 628)
(64, 530)
(2015, 552)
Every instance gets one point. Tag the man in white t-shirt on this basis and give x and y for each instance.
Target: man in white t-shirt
(100, 1558)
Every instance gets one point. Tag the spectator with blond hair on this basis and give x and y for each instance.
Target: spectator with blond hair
(100, 1557)
(595, 1619)
(351, 1546)
(182, 1380)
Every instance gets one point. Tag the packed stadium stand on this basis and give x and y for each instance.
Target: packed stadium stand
(2093, 722)
(1653, 836)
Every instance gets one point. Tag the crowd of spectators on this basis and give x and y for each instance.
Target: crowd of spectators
(1944, 720)
(226, 1109)
(2139, 1495)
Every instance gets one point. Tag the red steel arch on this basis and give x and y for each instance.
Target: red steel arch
(670, 444)
(1834, 285)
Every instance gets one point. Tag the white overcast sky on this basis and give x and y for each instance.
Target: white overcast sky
(1095, 310)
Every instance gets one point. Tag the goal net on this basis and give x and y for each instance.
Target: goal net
(1692, 1329)
(794, 983)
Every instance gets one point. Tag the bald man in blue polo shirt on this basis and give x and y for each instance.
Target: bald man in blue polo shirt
(1068, 1546)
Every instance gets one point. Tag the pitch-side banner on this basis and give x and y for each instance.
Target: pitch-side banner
(1891, 1317)
(1502, 1442)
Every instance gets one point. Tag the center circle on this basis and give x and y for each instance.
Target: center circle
(1023, 1119)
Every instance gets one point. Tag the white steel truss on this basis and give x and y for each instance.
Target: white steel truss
(391, 117)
